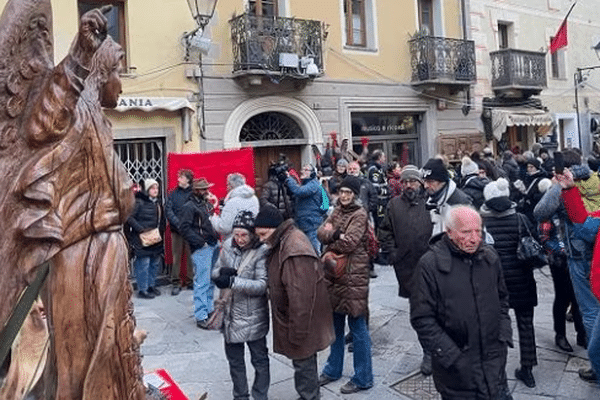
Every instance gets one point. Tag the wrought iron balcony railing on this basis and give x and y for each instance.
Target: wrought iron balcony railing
(518, 70)
(258, 42)
(442, 60)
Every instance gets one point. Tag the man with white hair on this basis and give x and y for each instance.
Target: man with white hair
(459, 308)
(240, 197)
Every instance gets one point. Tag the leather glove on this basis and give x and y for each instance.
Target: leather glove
(223, 281)
(227, 271)
(336, 235)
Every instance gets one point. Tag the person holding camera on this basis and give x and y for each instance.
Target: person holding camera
(275, 192)
(308, 197)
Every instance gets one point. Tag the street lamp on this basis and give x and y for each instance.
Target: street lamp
(202, 11)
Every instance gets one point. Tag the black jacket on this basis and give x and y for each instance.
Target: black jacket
(146, 215)
(196, 228)
(175, 202)
(502, 224)
(472, 186)
(404, 234)
(459, 309)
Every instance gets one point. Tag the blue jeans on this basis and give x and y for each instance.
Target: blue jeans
(145, 270)
(203, 285)
(589, 308)
(363, 368)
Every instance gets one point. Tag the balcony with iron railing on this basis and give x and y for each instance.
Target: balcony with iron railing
(442, 61)
(276, 46)
(519, 71)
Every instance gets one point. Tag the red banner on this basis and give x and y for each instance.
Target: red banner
(214, 166)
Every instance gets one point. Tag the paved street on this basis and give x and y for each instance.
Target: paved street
(196, 360)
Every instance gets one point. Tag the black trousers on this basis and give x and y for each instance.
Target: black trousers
(563, 297)
(527, 347)
(259, 357)
(306, 378)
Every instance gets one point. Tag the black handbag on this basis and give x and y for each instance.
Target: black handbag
(529, 250)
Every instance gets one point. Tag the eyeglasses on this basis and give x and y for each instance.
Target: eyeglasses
(345, 192)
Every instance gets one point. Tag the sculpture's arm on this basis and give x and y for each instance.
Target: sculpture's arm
(52, 111)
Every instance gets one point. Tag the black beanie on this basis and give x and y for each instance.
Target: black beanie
(351, 182)
(244, 219)
(534, 161)
(268, 217)
(434, 169)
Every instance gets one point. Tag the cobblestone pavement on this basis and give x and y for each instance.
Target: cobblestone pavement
(196, 360)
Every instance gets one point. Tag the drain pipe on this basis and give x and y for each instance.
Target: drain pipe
(463, 4)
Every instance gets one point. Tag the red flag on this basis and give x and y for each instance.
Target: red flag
(560, 39)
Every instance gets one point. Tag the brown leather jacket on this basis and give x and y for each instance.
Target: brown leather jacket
(349, 294)
(302, 316)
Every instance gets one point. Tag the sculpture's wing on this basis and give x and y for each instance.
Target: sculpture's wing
(25, 64)
(26, 59)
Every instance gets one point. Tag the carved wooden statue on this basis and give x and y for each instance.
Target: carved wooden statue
(64, 196)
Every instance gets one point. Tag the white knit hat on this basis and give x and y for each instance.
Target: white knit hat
(148, 184)
(544, 185)
(468, 167)
(495, 189)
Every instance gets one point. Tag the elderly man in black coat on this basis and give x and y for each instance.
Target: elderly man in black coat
(459, 309)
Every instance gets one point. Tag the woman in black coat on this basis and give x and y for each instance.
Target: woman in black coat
(147, 215)
(504, 224)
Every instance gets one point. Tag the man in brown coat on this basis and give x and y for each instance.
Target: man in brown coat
(302, 316)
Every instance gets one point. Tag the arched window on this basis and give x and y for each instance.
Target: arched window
(270, 126)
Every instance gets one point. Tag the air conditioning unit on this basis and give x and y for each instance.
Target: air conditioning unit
(288, 60)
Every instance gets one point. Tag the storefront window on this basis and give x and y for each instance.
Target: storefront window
(394, 133)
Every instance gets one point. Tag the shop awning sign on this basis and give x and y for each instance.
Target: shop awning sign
(503, 118)
(149, 104)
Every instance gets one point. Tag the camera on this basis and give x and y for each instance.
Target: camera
(279, 168)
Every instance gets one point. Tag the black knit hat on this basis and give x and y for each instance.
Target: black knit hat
(244, 219)
(268, 217)
(434, 169)
(351, 182)
(534, 161)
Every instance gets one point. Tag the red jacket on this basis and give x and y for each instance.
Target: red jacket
(578, 214)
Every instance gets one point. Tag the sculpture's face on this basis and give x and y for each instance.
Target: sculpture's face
(112, 89)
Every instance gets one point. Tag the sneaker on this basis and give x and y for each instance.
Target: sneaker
(372, 274)
(324, 380)
(145, 295)
(524, 375)
(176, 290)
(351, 347)
(202, 324)
(563, 343)
(588, 375)
(349, 388)
(426, 368)
(154, 291)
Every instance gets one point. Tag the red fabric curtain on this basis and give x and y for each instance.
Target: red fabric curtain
(214, 166)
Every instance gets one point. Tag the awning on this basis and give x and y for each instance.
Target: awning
(149, 104)
(505, 117)
(153, 103)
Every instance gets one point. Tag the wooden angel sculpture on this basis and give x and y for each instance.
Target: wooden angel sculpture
(65, 196)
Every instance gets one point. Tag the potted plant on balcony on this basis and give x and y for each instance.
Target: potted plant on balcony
(420, 43)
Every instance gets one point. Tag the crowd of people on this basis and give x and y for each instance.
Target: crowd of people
(452, 235)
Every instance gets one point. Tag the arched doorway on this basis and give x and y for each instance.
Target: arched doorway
(273, 135)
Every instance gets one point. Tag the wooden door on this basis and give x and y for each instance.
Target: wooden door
(264, 156)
